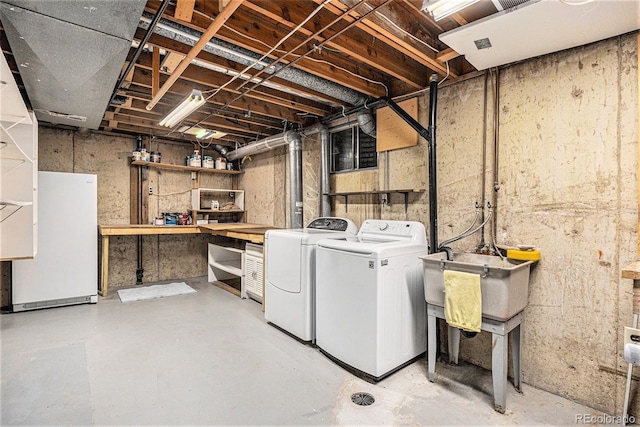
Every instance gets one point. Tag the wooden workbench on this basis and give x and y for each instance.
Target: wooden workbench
(250, 232)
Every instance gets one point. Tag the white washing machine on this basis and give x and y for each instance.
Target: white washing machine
(370, 307)
(291, 274)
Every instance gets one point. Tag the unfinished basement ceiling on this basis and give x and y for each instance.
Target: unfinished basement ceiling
(306, 59)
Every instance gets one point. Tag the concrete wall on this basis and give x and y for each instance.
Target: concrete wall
(164, 257)
(567, 183)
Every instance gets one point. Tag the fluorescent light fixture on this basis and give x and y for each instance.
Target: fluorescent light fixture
(440, 9)
(201, 133)
(190, 104)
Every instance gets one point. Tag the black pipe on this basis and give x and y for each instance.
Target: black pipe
(139, 269)
(140, 48)
(433, 188)
(430, 135)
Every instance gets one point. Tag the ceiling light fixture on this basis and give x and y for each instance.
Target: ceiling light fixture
(440, 9)
(190, 104)
(201, 133)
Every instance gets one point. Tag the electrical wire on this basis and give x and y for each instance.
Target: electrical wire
(408, 33)
(445, 77)
(282, 40)
(312, 59)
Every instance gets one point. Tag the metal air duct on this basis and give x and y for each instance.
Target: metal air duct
(246, 57)
(295, 182)
(367, 123)
(295, 164)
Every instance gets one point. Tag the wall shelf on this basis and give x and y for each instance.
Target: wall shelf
(387, 193)
(183, 168)
(200, 194)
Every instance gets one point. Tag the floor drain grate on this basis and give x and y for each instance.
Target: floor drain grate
(362, 399)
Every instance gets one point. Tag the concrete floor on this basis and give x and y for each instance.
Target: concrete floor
(209, 358)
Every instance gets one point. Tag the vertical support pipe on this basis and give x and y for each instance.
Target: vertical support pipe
(325, 184)
(482, 243)
(433, 195)
(496, 152)
(139, 269)
(295, 179)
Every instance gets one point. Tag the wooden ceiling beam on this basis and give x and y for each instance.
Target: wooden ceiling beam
(133, 119)
(213, 28)
(381, 29)
(142, 78)
(354, 42)
(184, 10)
(358, 77)
(214, 79)
(177, 48)
(237, 123)
(447, 55)
(234, 121)
(133, 129)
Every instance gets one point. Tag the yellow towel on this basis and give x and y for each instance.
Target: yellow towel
(463, 300)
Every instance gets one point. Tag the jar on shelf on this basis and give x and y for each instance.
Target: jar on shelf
(221, 163)
(145, 156)
(207, 162)
(156, 156)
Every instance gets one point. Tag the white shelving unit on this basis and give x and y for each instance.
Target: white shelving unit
(253, 272)
(225, 262)
(18, 172)
(201, 203)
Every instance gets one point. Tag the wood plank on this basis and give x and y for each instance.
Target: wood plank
(447, 55)
(638, 105)
(227, 287)
(171, 61)
(381, 29)
(218, 22)
(355, 43)
(632, 271)
(143, 78)
(147, 229)
(184, 10)
(393, 132)
(104, 279)
(184, 168)
(256, 45)
(214, 79)
(155, 70)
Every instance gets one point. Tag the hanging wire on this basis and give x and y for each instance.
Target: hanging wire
(445, 77)
(282, 40)
(312, 59)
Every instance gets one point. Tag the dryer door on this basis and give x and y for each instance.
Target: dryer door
(283, 253)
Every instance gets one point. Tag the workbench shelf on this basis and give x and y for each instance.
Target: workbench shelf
(406, 192)
(201, 201)
(225, 262)
(183, 168)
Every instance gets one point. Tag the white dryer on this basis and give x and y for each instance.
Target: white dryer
(370, 307)
(291, 274)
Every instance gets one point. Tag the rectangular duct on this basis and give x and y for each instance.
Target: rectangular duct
(539, 27)
(70, 53)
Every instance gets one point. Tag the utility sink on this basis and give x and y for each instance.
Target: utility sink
(504, 283)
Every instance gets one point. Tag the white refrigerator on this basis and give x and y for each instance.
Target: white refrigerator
(65, 268)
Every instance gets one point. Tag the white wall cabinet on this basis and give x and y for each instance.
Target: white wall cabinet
(253, 272)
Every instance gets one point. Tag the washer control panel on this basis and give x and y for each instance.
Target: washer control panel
(392, 230)
(333, 224)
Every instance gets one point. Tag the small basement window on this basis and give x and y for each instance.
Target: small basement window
(352, 149)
